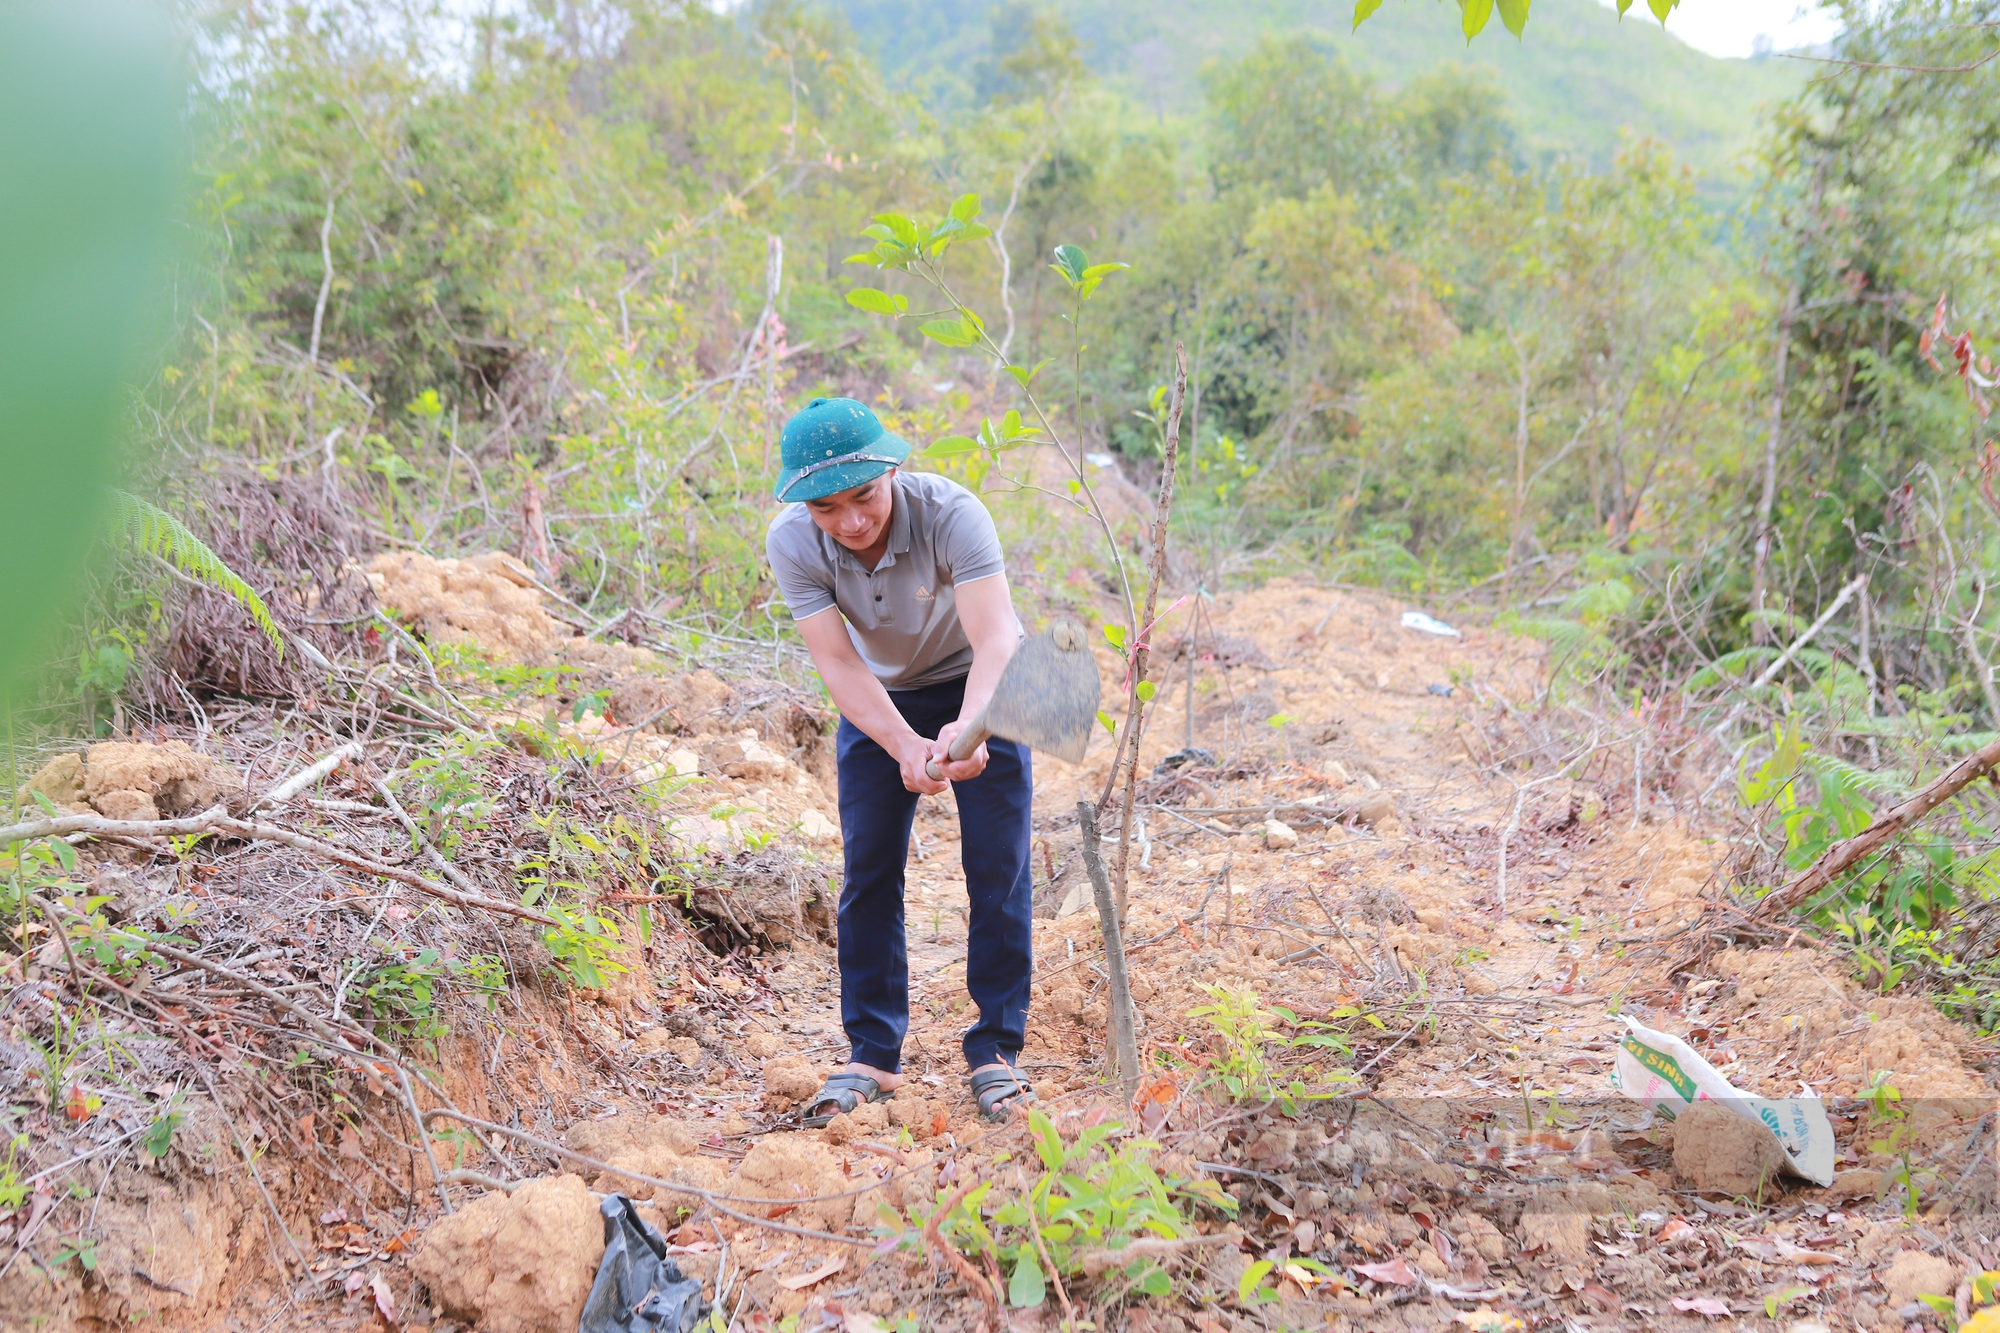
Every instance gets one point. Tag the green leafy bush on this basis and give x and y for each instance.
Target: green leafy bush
(1098, 1192)
(1253, 1042)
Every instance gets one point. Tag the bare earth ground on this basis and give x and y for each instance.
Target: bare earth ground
(1479, 1173)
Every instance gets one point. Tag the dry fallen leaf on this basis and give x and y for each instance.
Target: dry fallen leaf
(1799, 1254)
(800, 1281)
(385, 1300)
(1396, 1272)
(1707, 1305)
(1677, 1228)
(1776, 1247)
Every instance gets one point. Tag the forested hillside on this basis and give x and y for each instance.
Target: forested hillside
(1541, 579)
(1584, 79)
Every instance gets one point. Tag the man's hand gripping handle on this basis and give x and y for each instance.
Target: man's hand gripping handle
(962, 746)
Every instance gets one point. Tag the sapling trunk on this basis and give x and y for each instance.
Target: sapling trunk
(1124, 1051)
(1135, 701)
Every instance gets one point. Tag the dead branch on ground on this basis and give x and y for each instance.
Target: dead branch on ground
(1836, 860)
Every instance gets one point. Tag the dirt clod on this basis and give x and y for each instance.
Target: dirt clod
(1717, 1150)
(133, 780)
(789, 1080)
(489, 600)
(519, 1263)
(1859, 1183)
(1562, 1236)
(604, 1139)
(61, 780)
(788, 1169)
(1912, 1274)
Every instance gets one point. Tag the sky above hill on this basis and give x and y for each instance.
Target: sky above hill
(1731, 28)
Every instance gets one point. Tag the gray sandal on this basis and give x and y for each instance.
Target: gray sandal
(1000, 1092)
(846, 1090)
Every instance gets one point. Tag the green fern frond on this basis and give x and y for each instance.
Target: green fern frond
(1784, 625)
(1730, 666)
(1566, 638)
(1576, 650)
(1595, 603)
(153, 530)
(1831, 769)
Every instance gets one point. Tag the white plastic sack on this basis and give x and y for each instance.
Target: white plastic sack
(1665, 1073)
(1418, 620)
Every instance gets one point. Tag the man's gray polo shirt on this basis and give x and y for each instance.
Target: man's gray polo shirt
(903, 614)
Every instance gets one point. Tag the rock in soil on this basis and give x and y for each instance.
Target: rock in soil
(516, 1263)
(1719, 1151)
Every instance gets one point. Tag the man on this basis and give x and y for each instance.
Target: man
(899, 588)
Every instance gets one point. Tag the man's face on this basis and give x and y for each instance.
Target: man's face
(857, 519)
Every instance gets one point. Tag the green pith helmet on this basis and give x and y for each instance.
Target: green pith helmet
(832, 445)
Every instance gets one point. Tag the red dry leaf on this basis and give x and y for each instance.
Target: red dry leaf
(940, 1123)
(1396, 1272)
(81, 1105)
(1677, 1228)
(1155, 1101)
(1442, 1244)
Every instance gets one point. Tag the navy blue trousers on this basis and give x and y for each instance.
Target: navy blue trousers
(995, 822)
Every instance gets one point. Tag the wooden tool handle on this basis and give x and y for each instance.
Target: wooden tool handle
(962, 747)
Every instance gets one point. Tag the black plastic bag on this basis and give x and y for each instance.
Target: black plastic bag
(638, 1288)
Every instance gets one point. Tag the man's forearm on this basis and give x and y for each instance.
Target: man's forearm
(989, 663)
(862, 701)
(986, 611)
